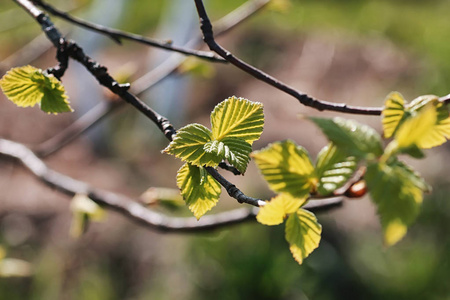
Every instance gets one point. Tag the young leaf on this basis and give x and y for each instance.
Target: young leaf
(238, 154)
(394, 109)
(274, 212)
(416, 130)
(351, 137)
(199, 189)
(84, 210)
(333, 169)
(440, 132)
(238, 118)
(302, 233)
(397, 192)
(189, 144)
(27, 86)
(287, 168)
(235, 150)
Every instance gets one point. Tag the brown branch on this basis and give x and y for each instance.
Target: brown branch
(118, 35)
(129, 207)
(208, 37)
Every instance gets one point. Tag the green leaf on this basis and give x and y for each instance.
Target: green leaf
(351, 137)
(274, 212)
(333, 169)
(27, 86)
(393, 112)
(238, 118)
(303, 234)
(397, 191)
(287, 168)
(199, 189)
(235, 150)
(189, 145)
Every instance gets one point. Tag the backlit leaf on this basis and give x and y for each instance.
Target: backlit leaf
(392, 113)
(397, 192)
(302, 233)
(83, 211)
(333, 169)
(274, 212)
(199, 189)
(351, 137)
(238, 118)
(189, 144)
(27, 86)
(440, 132)
(235, 150)
(287, 168)
(416, 130)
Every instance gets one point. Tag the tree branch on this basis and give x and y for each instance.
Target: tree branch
(129, 207)
(104, 78)
(208, 37)
(101, 110)
(118, 35)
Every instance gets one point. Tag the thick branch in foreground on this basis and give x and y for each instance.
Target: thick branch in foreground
(118, 35)
(129, 207)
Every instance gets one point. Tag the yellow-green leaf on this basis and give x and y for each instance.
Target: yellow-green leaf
(274, 212)
(189, 144)
(238, 118)
(287, 168)
(199, 189)
(440, 132)
(393, 111)
(83, 211)
(333, 169)
(27, 86)
(397, 192)
(303, 234)
(416, 130)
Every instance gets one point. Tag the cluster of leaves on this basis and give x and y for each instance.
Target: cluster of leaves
(27, 86)
(395, 188)
(236, 123)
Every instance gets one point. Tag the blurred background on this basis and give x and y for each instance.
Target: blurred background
(353, 51)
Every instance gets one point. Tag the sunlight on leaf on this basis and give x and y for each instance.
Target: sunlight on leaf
(302, 233)
(27, 86)
(199, 189)
(397, 192)
(351, 137)
(274, 212)
(189, 144)
(238, 118)
(333, 169)
(287, 168)
(416, 130)
(392, 113)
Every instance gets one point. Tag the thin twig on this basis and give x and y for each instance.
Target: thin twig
(71, 49)
(139, 86)
(118, 35)
(208, 37)
(129, 207)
